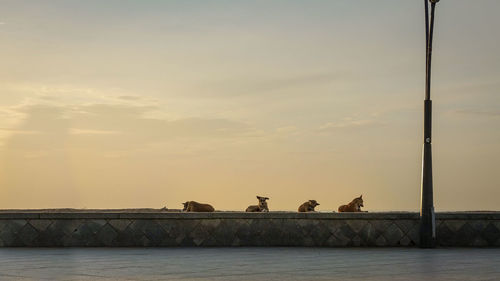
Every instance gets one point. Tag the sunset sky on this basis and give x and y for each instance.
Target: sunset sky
(126, 104)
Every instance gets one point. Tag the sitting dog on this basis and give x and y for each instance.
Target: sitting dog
(308, 206)
(354, 206)
(262, 207)
(193, 206)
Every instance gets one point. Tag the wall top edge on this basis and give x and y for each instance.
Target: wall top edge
(122, 214)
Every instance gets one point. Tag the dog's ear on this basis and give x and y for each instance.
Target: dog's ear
(258, 197)
(267, 198)
(361, 196)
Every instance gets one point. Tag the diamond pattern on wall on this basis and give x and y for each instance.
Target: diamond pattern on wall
(242, 231)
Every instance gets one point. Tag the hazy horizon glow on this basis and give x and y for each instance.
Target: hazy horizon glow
(125, 104)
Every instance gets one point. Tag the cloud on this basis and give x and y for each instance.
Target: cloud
(14, 131)
(113, 127)
(349, 123)
(131, 120)
(286, 130)
(75, 131)
(479, 113)
(265, 85)
(130, 98)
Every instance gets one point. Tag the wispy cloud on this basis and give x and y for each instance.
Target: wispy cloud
(74, 131)
(349, 123)
(287, 130)
(15, 131)
(130, 98)
(475, 112)
(114, 127)
(264, 85)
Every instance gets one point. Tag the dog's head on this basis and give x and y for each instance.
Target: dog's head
(262, 200)
(263, 204)
(313, 203)
(358, 201)
(186, 204)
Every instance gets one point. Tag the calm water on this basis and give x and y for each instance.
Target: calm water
(248, 264)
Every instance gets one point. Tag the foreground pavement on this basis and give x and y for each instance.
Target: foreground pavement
(248, 263)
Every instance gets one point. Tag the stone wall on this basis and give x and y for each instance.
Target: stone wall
(165, 229)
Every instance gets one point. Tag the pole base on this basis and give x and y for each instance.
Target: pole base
(428, 229)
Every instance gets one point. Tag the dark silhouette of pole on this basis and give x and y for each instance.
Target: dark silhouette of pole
(427, 217)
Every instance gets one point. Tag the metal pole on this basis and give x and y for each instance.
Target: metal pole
(427, 217)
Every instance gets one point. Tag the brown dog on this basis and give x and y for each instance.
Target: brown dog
(262, 207)
(193, 206)
(354, 206)
(308, 206)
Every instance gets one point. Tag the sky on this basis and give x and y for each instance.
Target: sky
(146, 104)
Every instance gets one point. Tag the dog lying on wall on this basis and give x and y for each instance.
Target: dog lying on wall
(193, 206)
(354, 206)
(262, 207)
(308, 206)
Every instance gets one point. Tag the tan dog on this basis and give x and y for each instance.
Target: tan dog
(354, 206)
(193, 206)
(308, 206)
(262, 207)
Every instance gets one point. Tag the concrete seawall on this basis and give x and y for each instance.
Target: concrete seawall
(171, 229)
